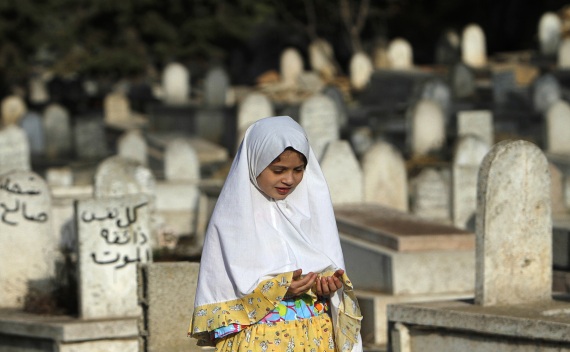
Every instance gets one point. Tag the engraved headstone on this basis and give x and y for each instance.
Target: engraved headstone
(426, 132)
(176, 84)
(360, 70)
(430, 198)
(216, 85)
(400, 54)
(113, 237)
(342, 172)
(557, 128)
(474, 46)
(549, 33)
(14, 150)
(469, 153)
(132, 145)
(29, 251)
(13, 109)
(385, 176)
(57, 128)
(318, 116)
(291, 66)
(181, 161)
(514, 226)
(478, 123)
(32, 125)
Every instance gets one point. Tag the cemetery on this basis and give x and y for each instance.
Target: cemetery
(450, 182)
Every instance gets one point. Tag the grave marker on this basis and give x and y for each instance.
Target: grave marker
(176, 84)
(474, 46)
(14, 150)
(342, 172)
(426, 132)
(557, 127)
(318, 116)
(132, 145)
(57, 130)
(549, 33)
(400, 54)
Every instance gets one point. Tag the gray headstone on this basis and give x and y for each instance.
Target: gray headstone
(549, 33)
(474, 46)
(342, 172)
(504, 83)
(32, 125)
(385, 176)
(462, 81)
(90, 140)
(361, 69)
(132, 145)
(113, 237)
(336, 95)
(426, 128)
(469, 153)
(117, 176)
(29, 251)
(318, 116)
(400, 54)
(478, 123)
(514, 226)
(545, 92)
(176, 84)
(57, 128)
(216, 85)
(211, 124)
(181, 161)
(361, 139)
(448, 48)
(14, 150)
(430, 195)
(557, 128)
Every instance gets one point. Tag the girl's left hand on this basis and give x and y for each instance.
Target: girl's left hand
(326, 286)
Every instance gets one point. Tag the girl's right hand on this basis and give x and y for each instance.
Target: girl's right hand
(300, 285)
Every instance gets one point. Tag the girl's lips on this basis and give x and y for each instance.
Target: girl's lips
(282, 190)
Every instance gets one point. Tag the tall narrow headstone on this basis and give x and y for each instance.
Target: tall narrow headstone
(181, 162)
(321, 58)
(57, 128)
(385, 176)
(318, 116)
(29, 250)
(132, 145)
(400, 54)
(12, 109)
(462, 81)
(176, 84)
(429, 196)
(291, 66)
(113, 237)
(14, 150)
(557, 125)
(360, 70)
(255, 106)
(549, 33)
(474, 46)
(564, 54)
(216, 85)
(343, 173)
(478, 123)
(426, 132)
(32, 125)
(514, 226)
(469, 153)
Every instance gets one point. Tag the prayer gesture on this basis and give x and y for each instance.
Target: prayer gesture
(328, 285)
(300, 285)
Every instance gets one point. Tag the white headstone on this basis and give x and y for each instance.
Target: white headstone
(427, 128)
(318, 116)
(29, 251)
(113, 237)
(13, 109)
(360, 70)
(321, 58)
(255, 106)
(476, 122)
(400, 54)
(430, 195)
(57, 128)
(474, 46)
(176, 84)
(343, 173)
(14, 150)
(132, 145)
(549, 33)
(117, 176)
(59, 176)
(558, 128)
(117, 109)
(291, 66)
(469, 153)
(438, 91)
(514, 226)
(181, 161)
(385, 176)
(564, 54)
(216, 86)
(32, 125)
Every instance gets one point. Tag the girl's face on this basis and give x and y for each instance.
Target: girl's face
(280, 178)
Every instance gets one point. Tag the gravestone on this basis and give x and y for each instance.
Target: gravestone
(545, 91)
(474, 46)
(90, 140)
(117, 109)
(29, 251)
(504, 84)
(438, 91)
(342, 172)
(14, 150)
(321, 58)
(361, 139)
(212, 125)
(549, 33)
(469, 153)
(447, 49)
(255, 106)
(426, 128)
(13, 109)
(380, 54)
(400, 54)
(385, 177)
(564, 54)
(318, 116)
(291, 66)
(57, 129)
(462, 81)
(59, 176)
(336, 95)
(117, 176)
(478, 123)
(430, 198)
(360, 70)
(514, 226)
(38, 93)
(558, 205)
(216, 85)
(175, 84)
(113, 237)
(32, 125)
(557, 124)
(181, 161)
(132, 145)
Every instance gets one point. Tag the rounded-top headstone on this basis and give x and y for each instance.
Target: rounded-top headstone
(474, 46)
(400, 54)
(13, 109)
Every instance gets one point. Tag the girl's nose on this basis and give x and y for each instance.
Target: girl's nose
(287, 178)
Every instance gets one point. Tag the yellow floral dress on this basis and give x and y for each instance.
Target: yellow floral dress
(258, 334)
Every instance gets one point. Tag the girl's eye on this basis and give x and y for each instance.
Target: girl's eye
(278, 172)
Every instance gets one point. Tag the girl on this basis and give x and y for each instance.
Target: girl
(272, 271)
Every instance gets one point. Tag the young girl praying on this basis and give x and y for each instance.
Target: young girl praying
(272, 272)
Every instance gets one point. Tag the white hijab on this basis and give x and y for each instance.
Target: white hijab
(252, 237)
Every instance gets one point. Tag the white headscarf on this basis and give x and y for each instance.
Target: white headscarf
(252, 237)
